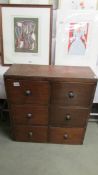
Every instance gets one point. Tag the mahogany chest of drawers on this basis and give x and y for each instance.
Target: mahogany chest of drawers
(49, 103)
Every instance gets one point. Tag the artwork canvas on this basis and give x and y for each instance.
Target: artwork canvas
(26, 35)
(78, 34)
(30, 34)
(87, 4)
(82, 28)
(78, 4)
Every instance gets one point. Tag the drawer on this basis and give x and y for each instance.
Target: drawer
(66, 135)
(29, 114)
(69, 117)
(27, 91)
(30, 134)
(72, 94)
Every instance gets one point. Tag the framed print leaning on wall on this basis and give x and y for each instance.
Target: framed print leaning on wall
(78, 4)
(75, 38)
(26, 34)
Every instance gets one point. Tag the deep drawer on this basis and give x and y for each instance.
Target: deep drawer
(72, 94)
(66, 135)
(27, 91)
(69, 117)
(29, 114)
(30, 134)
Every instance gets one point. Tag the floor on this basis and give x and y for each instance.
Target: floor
(49, 159)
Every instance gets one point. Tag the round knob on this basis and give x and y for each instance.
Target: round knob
(71, 94)
(66, 136)
(30, 134)
(68, 117)
(28, 92)
(29, 115)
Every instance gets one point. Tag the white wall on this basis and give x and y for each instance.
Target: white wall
(3, 1)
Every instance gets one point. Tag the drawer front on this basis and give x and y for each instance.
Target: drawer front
(27, 91)
(29, 114)
(30, 134)
(72, 94)
(69, 117)
(66, 135)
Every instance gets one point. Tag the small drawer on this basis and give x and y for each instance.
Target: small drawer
(27, 91)
(66, 135)
(30, 134)
(68, 116)
(72, 94)
(29, 114)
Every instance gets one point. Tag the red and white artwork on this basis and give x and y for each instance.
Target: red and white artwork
(78, 35)
(78, 4)
(87, 4)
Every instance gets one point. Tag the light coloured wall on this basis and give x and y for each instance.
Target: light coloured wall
(3, 1)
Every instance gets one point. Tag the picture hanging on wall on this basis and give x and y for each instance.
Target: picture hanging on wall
(29, 1)
(78, 4)
(78, 34)
(25, 38)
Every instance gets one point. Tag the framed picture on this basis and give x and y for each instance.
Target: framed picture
(78, 4)
(41, 2)
(29, 1)
(75, 37)
(26, 34)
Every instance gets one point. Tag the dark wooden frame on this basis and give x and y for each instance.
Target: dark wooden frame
(25, 6)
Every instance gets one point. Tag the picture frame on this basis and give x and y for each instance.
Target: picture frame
(73, 29)
(78, 4)
(29, 2)
(28, 29)
(41, 2)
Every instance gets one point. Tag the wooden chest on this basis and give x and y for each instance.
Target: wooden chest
(49, 103)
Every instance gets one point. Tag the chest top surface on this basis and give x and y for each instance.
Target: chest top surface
(51, 72)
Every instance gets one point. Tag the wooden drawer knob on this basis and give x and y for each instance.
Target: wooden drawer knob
(66, 136)
(29, 115)
(68, 117)
(27, 92)
(71, 94)
(30, 134)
